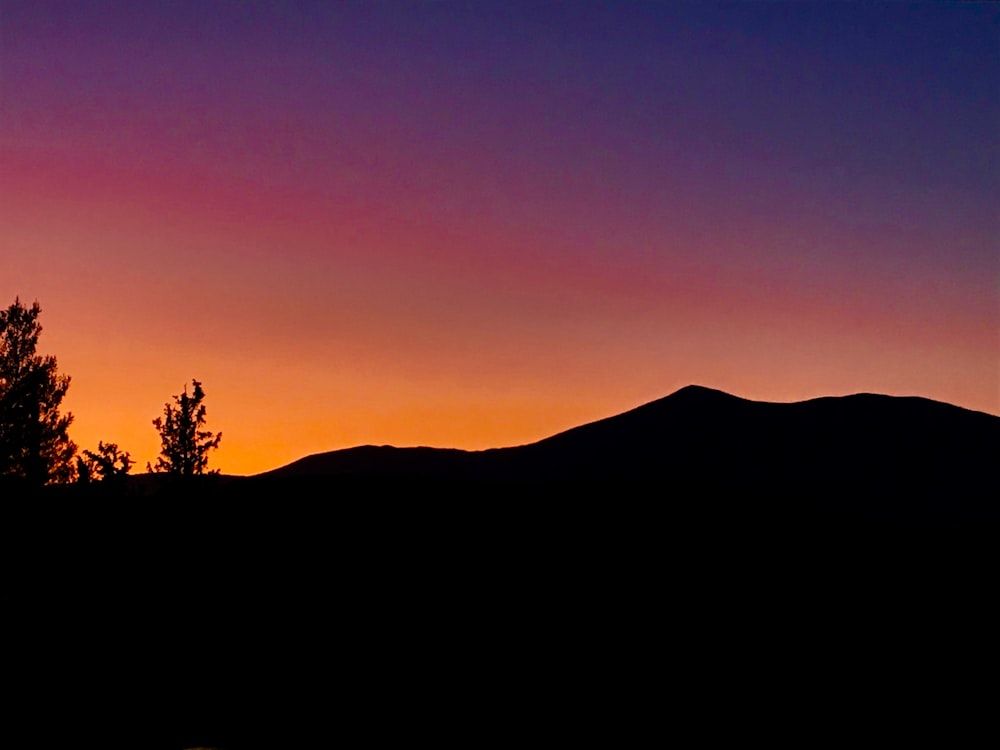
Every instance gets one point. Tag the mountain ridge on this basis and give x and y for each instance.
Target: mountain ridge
(703, 438)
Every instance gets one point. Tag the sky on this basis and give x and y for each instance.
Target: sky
(476, 224)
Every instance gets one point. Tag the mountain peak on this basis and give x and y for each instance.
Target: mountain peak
(698, 391)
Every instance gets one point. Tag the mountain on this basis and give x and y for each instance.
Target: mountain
(727, 526)
(700, 440)
(698, 454)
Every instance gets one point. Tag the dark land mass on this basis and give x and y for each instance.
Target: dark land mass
(902, 460)
(450, 595)
(897, 458)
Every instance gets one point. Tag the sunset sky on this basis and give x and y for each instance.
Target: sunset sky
(475, 224)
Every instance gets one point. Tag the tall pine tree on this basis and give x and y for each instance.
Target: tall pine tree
(34, 443)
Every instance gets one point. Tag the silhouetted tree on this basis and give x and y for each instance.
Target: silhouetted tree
(34, 444)
(109, 463)
(83, 471)
(185, 445)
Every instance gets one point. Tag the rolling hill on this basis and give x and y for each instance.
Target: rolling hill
(865, 450)
(690, 515)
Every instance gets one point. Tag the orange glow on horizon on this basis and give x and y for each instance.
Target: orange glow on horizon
(322, 315)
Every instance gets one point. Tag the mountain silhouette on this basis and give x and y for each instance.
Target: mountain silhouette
(867, 452)
(690, 515)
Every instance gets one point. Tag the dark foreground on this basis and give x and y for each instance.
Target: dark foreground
(251, 613)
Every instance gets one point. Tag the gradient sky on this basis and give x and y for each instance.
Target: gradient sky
(475, 224)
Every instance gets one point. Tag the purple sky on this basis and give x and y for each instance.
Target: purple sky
(490, 221)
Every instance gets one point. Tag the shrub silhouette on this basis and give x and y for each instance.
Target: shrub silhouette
(108, 464)
(184, 445)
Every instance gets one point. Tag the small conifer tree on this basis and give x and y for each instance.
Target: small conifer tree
(184, 442)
